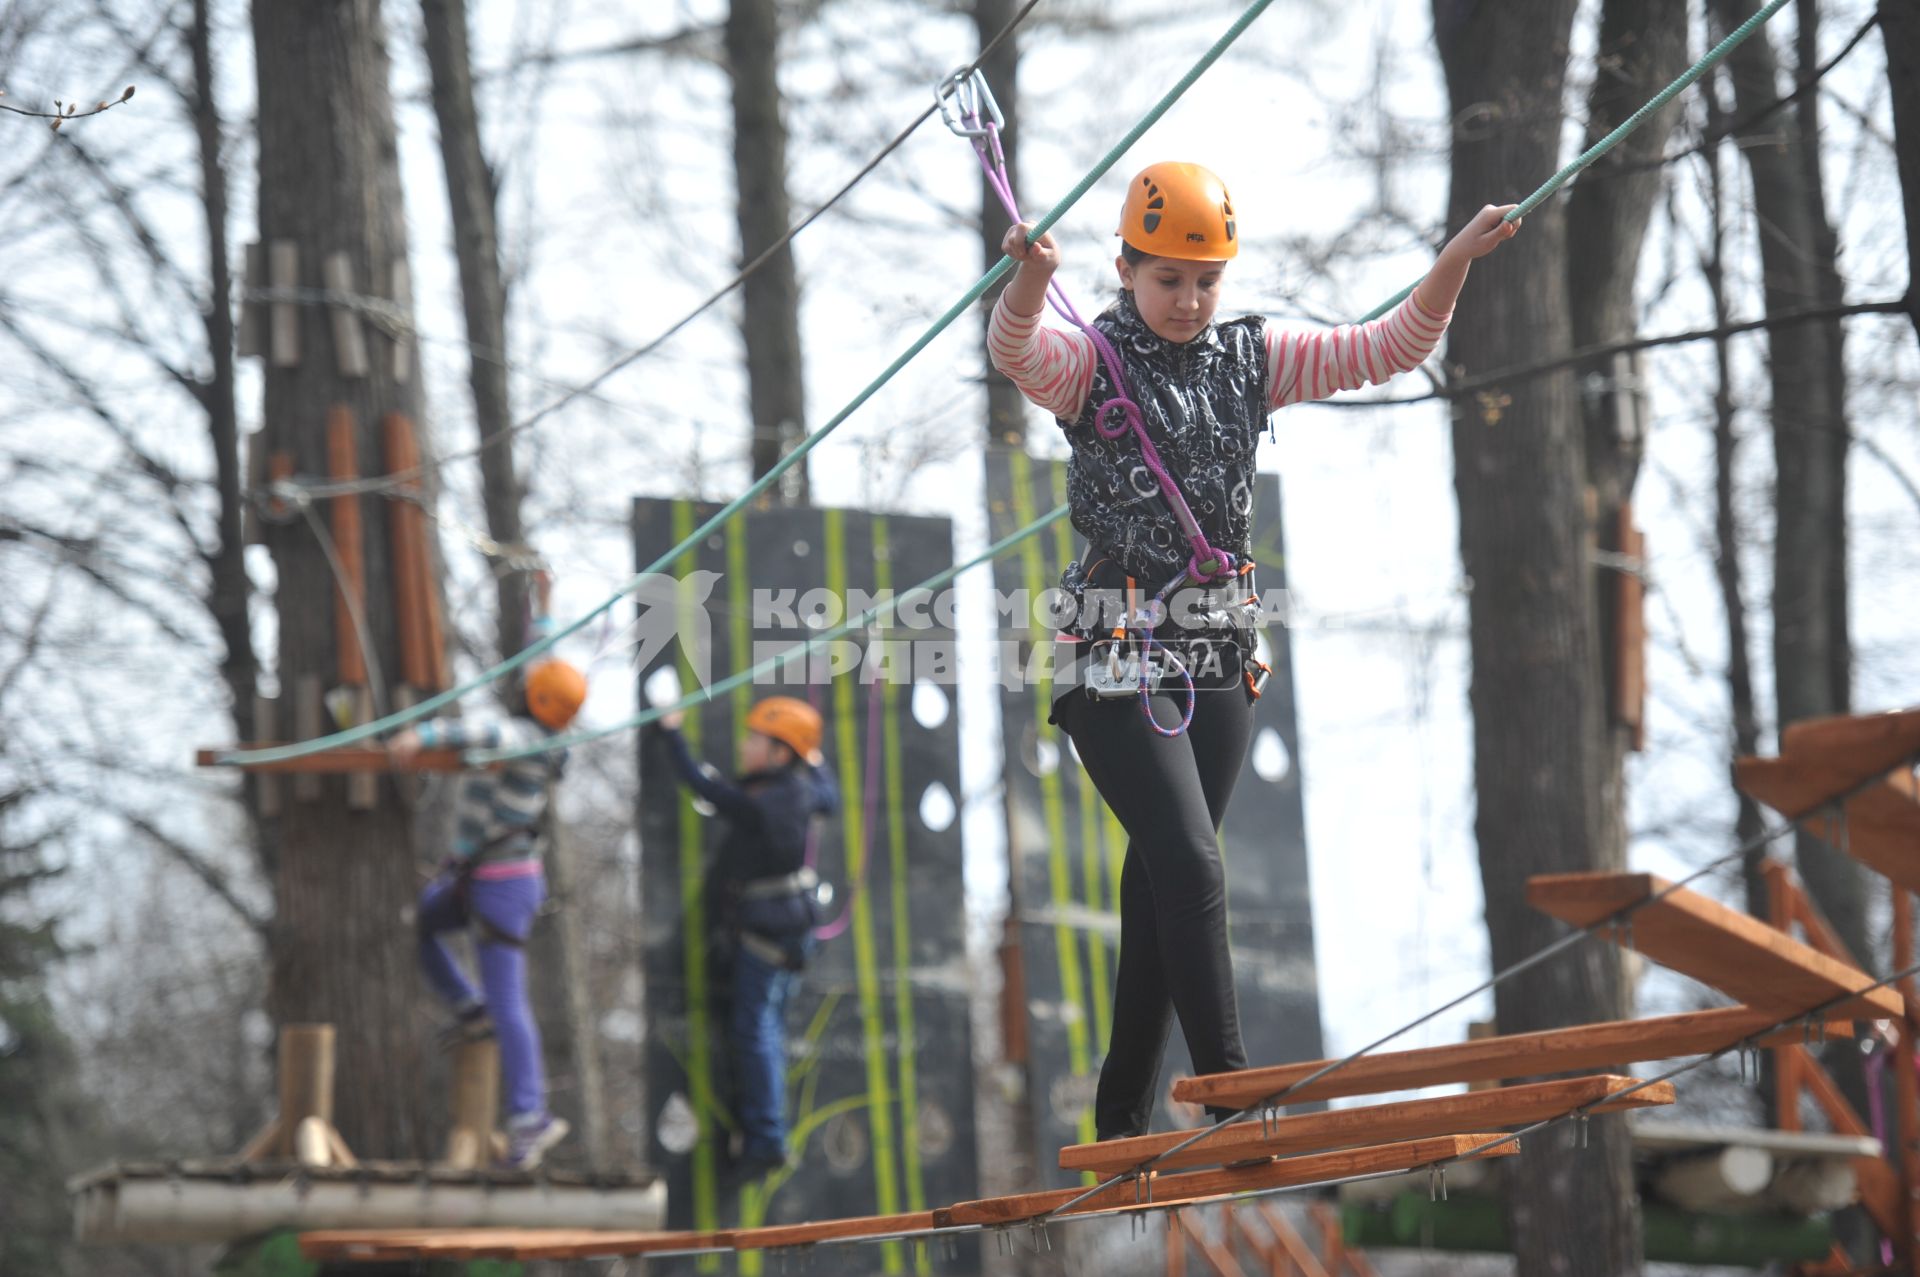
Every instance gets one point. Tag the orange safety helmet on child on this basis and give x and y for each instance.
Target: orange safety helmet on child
(555, 693)
(793, 723)
(1180, 210)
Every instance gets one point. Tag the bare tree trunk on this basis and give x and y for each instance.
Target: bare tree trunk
(470, 198)
(770, 298)
(1809, 433)
(1539, 727)
(230, 591)
(1900, 32)
(330, 182)
(569, 1027)
(1006, 406)
(1643, 46)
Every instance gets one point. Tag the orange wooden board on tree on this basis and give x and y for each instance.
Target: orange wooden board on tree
(335, 761)
(1344, 1128)
(1198, 1185)
(1585, 1046)
(1721, 947)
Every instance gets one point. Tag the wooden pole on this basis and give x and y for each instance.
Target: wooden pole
(349, 341)
(397, 441)
(1906, 1086)
(476, 1099)
(283, 271)
(348, 544)
(307, 718)
(1786, 1072)
(306, 1079)
(427, 651)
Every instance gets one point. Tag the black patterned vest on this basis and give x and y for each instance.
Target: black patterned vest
(1204, 403)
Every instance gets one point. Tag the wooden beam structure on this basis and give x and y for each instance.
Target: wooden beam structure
(1517, 1055)
(1728, 950)
(1857, 745)
(1879, 826)
(1347, 1128)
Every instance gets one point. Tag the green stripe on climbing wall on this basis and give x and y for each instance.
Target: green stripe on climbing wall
(1059, 871)
(693, 912)
(873, 1029)
(906, 1054)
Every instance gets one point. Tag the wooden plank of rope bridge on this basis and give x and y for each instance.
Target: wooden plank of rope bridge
(1880, 826)
(1722, 947)
(1344, 1128)
(1862, 744)
(1197, 1185)
(827, 1230)
(332, 761)
(383, 1244)
(1585, 1046)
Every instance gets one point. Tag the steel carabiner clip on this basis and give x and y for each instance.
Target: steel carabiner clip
(966, 104)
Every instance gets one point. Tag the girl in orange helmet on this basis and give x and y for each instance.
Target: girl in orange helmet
(493, 883)
(1204, 389)
(771, 900)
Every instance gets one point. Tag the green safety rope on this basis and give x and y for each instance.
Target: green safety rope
(1533, 201)
(351, 735)
(878, 612)
(1706, 63)
(1734, 39)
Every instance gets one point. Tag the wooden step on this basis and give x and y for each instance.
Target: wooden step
(330, 762)
(1881, 825)
(1858, 745)
(400, 1244)
(1197, 1185)
(1345, 1128)
(1585, 1046)
(829, 1230)
(1724, 948)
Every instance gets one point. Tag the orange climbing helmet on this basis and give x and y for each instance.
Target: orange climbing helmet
(793, 723)
(555, 693)
(1180, 210)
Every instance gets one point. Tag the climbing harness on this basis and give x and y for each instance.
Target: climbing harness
(968, 108)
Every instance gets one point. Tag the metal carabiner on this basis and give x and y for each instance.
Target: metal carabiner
(966, 104)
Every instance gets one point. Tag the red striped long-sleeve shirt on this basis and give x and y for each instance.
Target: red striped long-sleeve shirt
(1054, 367)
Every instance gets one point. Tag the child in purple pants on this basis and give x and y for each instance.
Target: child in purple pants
(493, 885)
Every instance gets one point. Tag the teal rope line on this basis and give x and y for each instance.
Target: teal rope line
(953, 312)
(1734, 40)
(799, 651)
(1532, 202)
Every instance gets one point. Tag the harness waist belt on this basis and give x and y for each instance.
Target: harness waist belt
(801, 880)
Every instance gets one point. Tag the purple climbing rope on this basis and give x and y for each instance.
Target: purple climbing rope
(967, 105)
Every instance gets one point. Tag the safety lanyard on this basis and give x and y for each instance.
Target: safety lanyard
(968, 107)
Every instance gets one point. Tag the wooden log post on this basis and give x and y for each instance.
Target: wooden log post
(306, 1080)
(308, 715)
(350, 594)
(476, 1101)
(266, 787)
(249, 340)
(283, 272)
(349, 340)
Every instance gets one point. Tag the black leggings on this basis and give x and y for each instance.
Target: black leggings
(1170, 794)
